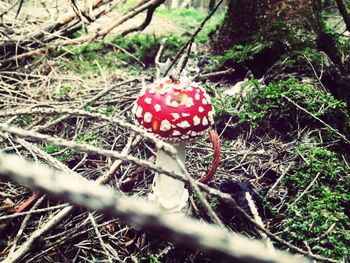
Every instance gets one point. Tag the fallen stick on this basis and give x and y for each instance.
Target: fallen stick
(134, 210)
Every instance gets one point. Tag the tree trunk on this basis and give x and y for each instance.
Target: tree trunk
(269, 31)
(247, 18)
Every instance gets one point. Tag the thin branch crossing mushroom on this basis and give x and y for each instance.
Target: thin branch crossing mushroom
(179, 112)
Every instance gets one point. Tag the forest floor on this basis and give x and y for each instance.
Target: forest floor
(272, 148)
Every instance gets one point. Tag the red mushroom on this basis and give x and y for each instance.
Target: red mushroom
(178, 112)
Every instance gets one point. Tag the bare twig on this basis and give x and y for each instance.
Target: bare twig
(103, 245)
(318, 119)
(33, 211)
(215, 74)
(193, 36)
(86, 103)
(306, 189)
(259, 221)
(23, 226)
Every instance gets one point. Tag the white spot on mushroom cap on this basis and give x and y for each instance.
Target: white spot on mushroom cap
(167, 100)
(196, 120)
(138, 112)
(174, 104)
(157, 107)
(200, 109)
(148, 100)
(197, 96)
(184, 124)
(184, 137)
(205, 121)
(170, 103)
(176, 133)
(147, 117)
(185, 114)
(189, 102)
(152, 90)
(176, 116)
(204, 101)
(165, 125)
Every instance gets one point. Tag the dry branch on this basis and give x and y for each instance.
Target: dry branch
(147, 21)
(120, 122)
(134, 210)
(144, 5)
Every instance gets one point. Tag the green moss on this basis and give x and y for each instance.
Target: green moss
(242, 53)
(267, 106)
(318, 216)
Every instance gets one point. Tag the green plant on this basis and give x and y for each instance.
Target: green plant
(107, 110)
(92, 139)
(63, 155)
(63, 91)
(23, 121)
(154, 259)
(320, 215)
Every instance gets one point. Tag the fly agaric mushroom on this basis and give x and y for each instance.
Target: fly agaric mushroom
(177, 112)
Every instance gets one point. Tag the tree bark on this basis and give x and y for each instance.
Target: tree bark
(344, 13)
(247, 18)
(284, 28)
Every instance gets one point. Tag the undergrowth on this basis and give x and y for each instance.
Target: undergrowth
(134, 52)
(268, 106)
(319, 209)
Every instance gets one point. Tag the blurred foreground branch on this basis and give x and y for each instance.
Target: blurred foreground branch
(134, 210)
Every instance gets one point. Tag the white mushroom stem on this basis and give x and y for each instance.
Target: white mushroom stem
(168, 192)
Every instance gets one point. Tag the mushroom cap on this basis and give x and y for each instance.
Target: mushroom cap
(174, 110)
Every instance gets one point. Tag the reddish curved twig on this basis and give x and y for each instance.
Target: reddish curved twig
(214, 138)
(29, 202)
